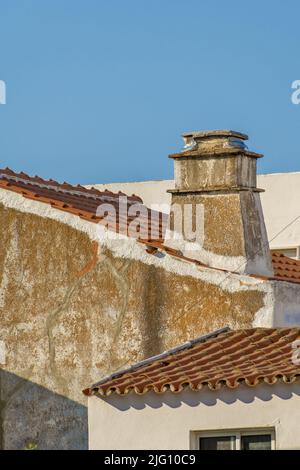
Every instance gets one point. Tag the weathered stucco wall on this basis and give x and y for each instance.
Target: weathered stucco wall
(73, 311)
(235, 236)
(193, 173)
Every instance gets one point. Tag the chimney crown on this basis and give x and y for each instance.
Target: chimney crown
(216, 215)
(215, 142)
(215, 160)
(215, 133)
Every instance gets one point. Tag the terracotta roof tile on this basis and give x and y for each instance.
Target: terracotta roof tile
(84, 202)
(286, 268)
(223, 358)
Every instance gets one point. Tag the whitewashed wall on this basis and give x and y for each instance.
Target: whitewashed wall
(168, 421)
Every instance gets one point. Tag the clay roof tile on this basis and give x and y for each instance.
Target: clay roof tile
(249, 356)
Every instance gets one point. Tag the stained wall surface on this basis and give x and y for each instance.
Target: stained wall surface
(75, 307)
(73, 311)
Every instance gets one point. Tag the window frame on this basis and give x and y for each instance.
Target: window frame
(237, 433)
(283, 249)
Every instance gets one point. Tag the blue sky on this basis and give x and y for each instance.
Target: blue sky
(100, 91)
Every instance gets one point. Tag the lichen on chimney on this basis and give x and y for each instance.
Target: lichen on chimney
(217, 172)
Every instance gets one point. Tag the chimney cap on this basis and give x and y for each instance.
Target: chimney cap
(215, 133)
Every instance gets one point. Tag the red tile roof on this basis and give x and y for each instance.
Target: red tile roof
(84, 202)
(222, 358)
(285, 268)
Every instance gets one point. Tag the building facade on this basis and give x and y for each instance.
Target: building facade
(231, 390)
(77, 302)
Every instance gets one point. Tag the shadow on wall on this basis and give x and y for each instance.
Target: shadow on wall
(153, 300)
(204, 397)
(33, 415)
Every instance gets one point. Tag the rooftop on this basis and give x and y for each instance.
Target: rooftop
(83, 203)
(77, 200)
(221, 358)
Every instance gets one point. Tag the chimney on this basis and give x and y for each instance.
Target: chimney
(216, 214)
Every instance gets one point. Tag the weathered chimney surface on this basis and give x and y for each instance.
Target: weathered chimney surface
(215, 176)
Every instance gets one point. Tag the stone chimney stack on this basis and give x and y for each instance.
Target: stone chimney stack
(216, 214)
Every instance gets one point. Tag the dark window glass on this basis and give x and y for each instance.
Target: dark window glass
(217, 443)
(259, 442)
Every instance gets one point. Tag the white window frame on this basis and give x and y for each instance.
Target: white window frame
(237, 433)
(286, 248)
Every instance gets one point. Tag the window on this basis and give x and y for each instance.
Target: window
(260, 439)
(256, 442)
(217, 443)
(293, 252)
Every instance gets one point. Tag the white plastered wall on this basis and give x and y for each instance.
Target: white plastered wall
(168, 421)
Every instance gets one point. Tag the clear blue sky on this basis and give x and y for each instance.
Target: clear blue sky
(100, 91)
